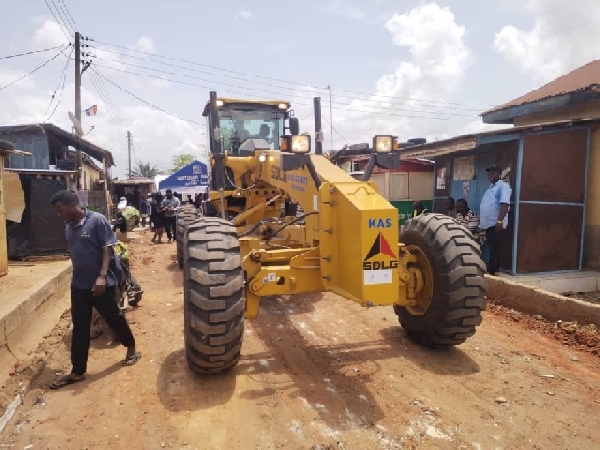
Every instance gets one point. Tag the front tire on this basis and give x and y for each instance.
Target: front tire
(214, 302)
(457, 275)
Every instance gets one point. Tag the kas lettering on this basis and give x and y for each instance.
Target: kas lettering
(380, 265)
(380, 223)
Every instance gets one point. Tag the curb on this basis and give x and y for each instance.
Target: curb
(29, 301)
(11, 410)
(535, 301)
(25, 305)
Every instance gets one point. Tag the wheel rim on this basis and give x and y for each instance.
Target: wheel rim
(425, 281)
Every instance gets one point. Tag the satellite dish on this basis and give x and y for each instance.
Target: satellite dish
(76, 124)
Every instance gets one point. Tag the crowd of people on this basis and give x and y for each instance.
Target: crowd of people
(162, 212)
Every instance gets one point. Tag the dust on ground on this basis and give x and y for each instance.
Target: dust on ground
(319, 372)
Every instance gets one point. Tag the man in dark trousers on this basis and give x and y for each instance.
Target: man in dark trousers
(171, 205)
(493, 215)
(96, 273)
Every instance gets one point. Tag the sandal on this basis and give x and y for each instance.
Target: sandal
(66, 380)
(131, 360)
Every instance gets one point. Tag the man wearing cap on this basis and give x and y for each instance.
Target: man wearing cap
(493, 215)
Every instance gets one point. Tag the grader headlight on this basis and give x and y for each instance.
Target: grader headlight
(296, 144)
(383, 144)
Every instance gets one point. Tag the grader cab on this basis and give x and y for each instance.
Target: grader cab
(346, 239)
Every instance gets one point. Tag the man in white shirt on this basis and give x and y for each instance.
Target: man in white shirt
(493, 215)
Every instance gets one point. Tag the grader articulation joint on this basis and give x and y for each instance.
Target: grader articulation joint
(283, 220)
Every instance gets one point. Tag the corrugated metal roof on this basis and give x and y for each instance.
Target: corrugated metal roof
(577, 80)
(470, 141)
(63, 136)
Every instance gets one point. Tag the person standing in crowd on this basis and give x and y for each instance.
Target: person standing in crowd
(418, 209)
(171, 204)
(145, 209)
(96, 273)
(469, 218)
(494, 215)
(157, 218)
(449, 207)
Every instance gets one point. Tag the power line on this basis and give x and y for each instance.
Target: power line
(95, 80)
(62, 88)
(58, 22)
(68, 19)
(383, 112)
(166, 72)
(245, 75)
(31, 72)
(335, 131)
(148, 103)
(31, 52)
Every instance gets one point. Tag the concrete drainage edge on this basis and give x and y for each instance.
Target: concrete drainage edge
(19, 399)
(536, 301)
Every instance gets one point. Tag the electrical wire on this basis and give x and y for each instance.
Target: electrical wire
(148, 103)
(381, 112)
(31, 72)
(97, 83)
(66, 19)
(58, 22)
(336, 131)
(31, 52)
(454, 105)
(267, 90)
(62, 88)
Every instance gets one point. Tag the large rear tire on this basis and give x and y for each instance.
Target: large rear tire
(187, 214)
(457, 297)
(214, 303)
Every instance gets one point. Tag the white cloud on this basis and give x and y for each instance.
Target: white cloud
(434, 72)
(157, 136)
(562, 38)
(49, 34)
(244, 14)
(145, 44)
(342, 8)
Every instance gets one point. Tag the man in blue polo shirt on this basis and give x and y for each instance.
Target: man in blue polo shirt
(493, 215)
(96, 273)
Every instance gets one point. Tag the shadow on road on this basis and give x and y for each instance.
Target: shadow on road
(181, 389)
(334, 378)
(51, 374)
(442, 361)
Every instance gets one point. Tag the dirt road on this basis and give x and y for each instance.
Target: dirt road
(317, 372)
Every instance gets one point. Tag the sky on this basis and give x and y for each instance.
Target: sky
(408, 68)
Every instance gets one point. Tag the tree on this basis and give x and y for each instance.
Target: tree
(145, 171)
(182, 160)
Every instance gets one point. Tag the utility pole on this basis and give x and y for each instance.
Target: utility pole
(78, 101)
(330, 118)
(318, 127)
(129, 153)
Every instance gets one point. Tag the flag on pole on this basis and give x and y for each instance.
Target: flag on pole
(91, 111)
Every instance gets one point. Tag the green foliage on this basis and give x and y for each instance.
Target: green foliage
(144, 170)
(182, 160)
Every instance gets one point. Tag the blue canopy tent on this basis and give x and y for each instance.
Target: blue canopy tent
(190, 179)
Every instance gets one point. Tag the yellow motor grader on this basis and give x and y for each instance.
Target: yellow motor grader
(283, 220)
